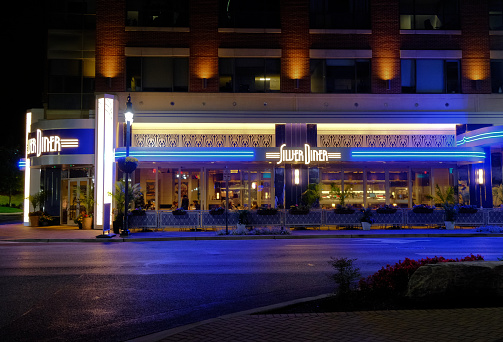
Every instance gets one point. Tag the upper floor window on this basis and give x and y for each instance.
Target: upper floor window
(157, 74)
(340, 76)
(497, 76)
(249, 14)
(249, 75)
(429, 15)
(168, 13)
(430, 76)
(496, 14)
(344, 14)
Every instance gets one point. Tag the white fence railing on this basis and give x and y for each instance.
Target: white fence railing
(202, 219)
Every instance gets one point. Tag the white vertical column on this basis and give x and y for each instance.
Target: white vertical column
(104, 156)
(27, 174)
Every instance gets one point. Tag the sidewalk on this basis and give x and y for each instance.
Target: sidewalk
(472, 324)
(17, 232)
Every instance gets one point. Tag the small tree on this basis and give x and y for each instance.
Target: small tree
(346, 274)
(335, 192)
(311, 197)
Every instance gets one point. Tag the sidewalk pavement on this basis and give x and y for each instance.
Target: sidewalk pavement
(470, 324)
(17, 232)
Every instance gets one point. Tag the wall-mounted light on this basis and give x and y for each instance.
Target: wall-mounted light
(297, 82)
(296, 176)
(254, 185)
(205, 83)
(480, 176)
(388, 84)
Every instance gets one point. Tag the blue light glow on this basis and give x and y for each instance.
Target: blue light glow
(210, 154)
(417, 155)
(481, 136)
(21, 164)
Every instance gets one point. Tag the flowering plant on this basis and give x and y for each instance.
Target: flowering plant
(45, 218)
(395, 278)
(468, 209)
(81, 218)
(127, 164)
(386, 209)
(299, 210)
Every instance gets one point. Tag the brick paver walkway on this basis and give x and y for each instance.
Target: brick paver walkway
(459, 325)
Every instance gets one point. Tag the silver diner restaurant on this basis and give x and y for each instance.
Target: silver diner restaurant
(256, 158)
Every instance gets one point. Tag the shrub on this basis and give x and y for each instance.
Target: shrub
(394, 279)
(346, 273)
(489, 229)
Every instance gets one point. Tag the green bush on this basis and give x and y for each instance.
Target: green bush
(346, 273)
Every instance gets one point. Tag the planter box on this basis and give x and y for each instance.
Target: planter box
(87, 223)
(449, 224)
(366, 225)
(34, 221)
(299, 212)
(344, 211)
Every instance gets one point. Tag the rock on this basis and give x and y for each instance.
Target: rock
(457, 280)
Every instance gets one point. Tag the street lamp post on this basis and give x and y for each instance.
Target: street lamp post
(128, 116)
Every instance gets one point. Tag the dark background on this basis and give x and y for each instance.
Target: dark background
(24, 60)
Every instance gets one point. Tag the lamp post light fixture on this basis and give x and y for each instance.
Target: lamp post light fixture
(128, 116)
(480, 182)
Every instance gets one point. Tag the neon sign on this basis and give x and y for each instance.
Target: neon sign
(41, 144)
(306, 156)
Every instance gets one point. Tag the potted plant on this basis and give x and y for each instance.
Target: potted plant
(340, 209)
(179, 212)
(243, 220)
(366, 218)
(78, 220)
(35, 200)
(119, 196)
(386, 209)
(298, 210)
(267, 211)
(87, 221)
(336, 193)
(423, 209)
(450, 215)
(217, 211)
(127, 164)
(311, 197)
(468, 209)
(45, 219)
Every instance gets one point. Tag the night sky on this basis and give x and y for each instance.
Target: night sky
(24, 63)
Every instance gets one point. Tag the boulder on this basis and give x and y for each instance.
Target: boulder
(457, 280)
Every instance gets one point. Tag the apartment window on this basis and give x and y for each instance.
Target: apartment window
(496, 14)
(429, 15)
(169, 13)
(345, 14)
(157, 74)
(497, 76)
(430, 76)
(249, 75)
(249, 14)
(70, 84)
(340, 75)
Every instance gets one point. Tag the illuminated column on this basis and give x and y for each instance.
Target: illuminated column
(104, 157)
(27, 174)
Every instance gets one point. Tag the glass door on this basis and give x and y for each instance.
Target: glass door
(74, 193)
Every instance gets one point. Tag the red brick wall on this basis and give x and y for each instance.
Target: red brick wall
(295, 42)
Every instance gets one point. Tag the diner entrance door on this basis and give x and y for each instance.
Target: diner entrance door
(73, 195)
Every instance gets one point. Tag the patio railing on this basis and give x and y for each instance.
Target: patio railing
(402, 218)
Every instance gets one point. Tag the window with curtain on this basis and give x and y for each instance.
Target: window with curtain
(430, 76)
(157, 74)
(496, 14)
(340, 75)
(345, 14)
(250, 75)
(429, 15)
(249, 14)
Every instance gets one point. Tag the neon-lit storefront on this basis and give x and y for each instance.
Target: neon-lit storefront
(252, 164)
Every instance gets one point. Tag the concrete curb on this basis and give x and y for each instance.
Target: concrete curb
(259, 237)
(166, 333)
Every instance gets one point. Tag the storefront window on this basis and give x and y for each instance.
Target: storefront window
(376, 188)
(353, 180)
(330, 179)
(421, 187)
(442, 179)
(398, 188)
(463, 185)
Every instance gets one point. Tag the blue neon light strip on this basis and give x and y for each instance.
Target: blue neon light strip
(217, 155)
(481, 136)
(416, 154)
(21, 164)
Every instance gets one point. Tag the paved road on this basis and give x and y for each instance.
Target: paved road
(118, 291)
